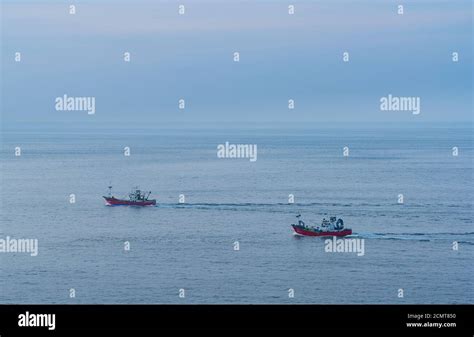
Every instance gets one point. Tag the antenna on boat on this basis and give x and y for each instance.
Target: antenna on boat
(110, 189)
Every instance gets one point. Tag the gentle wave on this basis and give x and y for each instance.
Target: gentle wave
(417, 236)
(310, 204)
(438, 233)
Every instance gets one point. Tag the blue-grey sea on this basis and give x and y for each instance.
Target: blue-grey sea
(190, 246)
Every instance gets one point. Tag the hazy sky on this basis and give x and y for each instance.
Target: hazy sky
(191, 56)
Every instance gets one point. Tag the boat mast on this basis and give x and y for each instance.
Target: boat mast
(110, 190)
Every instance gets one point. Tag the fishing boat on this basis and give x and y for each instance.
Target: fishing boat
(331, 227)
(135, 198)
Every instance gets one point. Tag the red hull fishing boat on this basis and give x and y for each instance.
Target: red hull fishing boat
(135, 198)
(332, 227)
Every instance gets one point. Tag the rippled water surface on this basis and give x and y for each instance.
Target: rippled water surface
(191, 246)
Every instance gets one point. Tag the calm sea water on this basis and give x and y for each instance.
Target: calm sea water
(191, 246)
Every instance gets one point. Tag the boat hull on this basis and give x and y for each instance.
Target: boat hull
(111, 201)
(306, 232)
